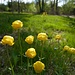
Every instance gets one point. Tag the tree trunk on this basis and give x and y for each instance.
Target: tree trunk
(57, 7)
(54, 7)
(18, 6)
(39, 1)
(11, 7)
(42, 6)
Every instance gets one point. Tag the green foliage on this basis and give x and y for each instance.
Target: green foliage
(3, 7)
(68, 8)
(28, 7)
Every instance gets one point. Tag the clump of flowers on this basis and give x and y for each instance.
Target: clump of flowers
(17, 24)
(9, 40)
(71, 50)
(38, 66)
(30, 53)
(58, 37)
(42, 36)
(29, 39)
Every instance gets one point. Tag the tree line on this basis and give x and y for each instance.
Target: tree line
(40, 6)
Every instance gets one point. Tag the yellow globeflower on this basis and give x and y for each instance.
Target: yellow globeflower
(31, 53)
(72, 50)
(44, 13)
(42, 36)
(38, 66)
(29, 39)
(66, 48)
(58, 37)
(17, 24)
(9, 40)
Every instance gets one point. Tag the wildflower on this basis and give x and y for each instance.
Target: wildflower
(17, 24)
(38, 66)
(72, 50)
(44, 13)
(9, 40)
(42, 36)
(29, 39)
(31, 53)
(66, 48)
(58, 37)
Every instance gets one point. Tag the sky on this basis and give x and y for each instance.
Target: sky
(5, 2)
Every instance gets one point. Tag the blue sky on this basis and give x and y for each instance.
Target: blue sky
(5, 1)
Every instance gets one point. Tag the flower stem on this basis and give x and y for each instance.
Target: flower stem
(58, 44)
(32, 65)
(19, 38)
(38, 74)
(28, 66)
(42, 49)
(10, 61)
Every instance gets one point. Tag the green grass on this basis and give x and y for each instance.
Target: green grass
(56, 61)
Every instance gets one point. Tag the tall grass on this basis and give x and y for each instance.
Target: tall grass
(56, 61)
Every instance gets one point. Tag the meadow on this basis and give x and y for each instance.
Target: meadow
(51, 53)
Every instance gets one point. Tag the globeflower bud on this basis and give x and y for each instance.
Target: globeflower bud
(9, 40)
(17, 24)
(29, 39)
(31, 53)
(38, 66)
(58, 37)
(42, 36)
